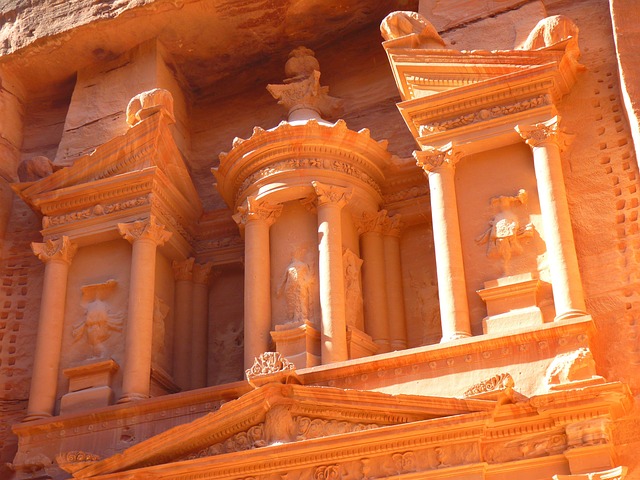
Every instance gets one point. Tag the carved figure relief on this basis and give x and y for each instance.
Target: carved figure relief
(353, 289)
(296, 285)
(505, 232)
(99, 322)
(160, 312)
(426, 308)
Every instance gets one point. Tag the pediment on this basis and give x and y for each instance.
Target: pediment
(277, 414)
(147, 145)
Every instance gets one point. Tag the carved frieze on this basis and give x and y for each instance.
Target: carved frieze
(521, 449)
(95, 211)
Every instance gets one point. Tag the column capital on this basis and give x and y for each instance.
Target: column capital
(540, 133)
(392, 226)
(203, 272)
(432, 159)
(183, 270)
(371, 222)
(148, 229)
(253, 209)
(61, 249)
(331, 194)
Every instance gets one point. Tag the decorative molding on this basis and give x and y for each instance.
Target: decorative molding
(148, 229)
(484, 114)
(269, 363)
(59, 250)
(96, 211)
(331, 194)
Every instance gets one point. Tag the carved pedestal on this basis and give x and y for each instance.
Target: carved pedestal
(89, 387)
(512, 302)
(299, 344)
(360, 344)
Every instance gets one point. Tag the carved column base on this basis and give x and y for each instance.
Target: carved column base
(300, 344)
(512, 303)
(360, 344)
(89, 387)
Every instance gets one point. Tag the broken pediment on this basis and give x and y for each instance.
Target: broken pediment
(277, 414)
(130, 177)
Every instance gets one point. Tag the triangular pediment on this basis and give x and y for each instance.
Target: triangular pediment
(277, 414)
(146, 145)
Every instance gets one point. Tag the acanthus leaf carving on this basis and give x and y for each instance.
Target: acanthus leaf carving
(495, 383)
(257, 210)
(540, 133)
(331, 194)
(269, 363)
(183, 270)
(431, 159)
(59, 249)
(148, 229)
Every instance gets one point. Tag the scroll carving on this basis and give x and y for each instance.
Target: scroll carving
(145, 230)
(60, 249)
(495, 383)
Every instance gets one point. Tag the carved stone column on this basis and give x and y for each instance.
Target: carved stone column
(393, 275)
(333, 341)
(376, 320)
(202, 274)
(563, 262)
(57, 256)
(452, 289)
(145, 236)
(182, 330)
(256, 216)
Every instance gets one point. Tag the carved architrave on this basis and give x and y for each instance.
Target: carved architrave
(183, 270)
(520, 449)
(431, 159)
(59, 250)
(145, 230)
(540, 133)
(257, 210)
(331, 194)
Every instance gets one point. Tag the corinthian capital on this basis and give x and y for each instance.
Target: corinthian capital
(536, 135)
(372, 222)
(202, 273)
(431, 158)
(254, 209)
(145, 230)
(60, 249)
(331, 194)
(392, 226)
(183, 270)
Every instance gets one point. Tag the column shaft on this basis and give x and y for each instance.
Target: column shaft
(395, 294)
(566, 284)
(44, 381)
(200, 332)
(376, 318)
(452, 289)
(182, 331)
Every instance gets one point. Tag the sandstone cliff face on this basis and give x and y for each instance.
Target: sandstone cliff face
(222, 54)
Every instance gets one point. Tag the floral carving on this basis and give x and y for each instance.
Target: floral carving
(540, 133)
(269, 363)
(59, 249)
(327, 472)
(183, 270)
(404, 462)
(495, 383)
(254, 209)
(95, 211)
(372, 222)
(145, 230)
(484, 114)
(431, 159)
(202, 273)
(331, 194)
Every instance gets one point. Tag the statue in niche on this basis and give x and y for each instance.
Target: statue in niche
(160, 312)
(296, 285)
(98, 322)
(503, 237)
(353, 289)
